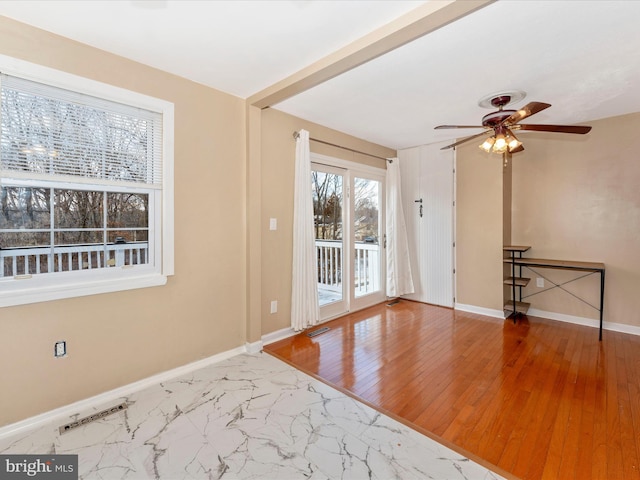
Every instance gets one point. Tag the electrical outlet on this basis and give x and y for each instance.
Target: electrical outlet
(60, 349)
(540, 282)
(273, 224)
(274, 306)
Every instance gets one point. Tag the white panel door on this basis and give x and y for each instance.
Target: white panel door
(436, 231)
(428, 192)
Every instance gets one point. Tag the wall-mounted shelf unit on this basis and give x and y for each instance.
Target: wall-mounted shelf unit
(516, 281)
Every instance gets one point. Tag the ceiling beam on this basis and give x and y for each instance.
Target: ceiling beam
(415, 24)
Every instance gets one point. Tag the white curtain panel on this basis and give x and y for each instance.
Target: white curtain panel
(305, 311)
(399, 279)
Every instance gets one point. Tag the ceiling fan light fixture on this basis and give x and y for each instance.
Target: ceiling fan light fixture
(487, 144)
(500, 145)
(512, 141)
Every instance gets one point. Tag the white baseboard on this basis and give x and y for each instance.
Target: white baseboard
(278, 335)
(561, 317)
(489, 312)
(117, 393)
(588, 322)
(255, 347)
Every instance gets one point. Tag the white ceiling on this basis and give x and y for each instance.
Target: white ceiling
(583, 57)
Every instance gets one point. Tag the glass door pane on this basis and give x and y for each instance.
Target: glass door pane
(328, 203)
(366, 233)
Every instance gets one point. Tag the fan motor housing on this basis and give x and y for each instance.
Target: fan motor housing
(496, 118)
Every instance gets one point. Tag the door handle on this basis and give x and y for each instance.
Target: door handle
(420, 202)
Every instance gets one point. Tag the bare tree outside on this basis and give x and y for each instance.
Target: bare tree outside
(327, 191)
(327, 205)
(367, 211)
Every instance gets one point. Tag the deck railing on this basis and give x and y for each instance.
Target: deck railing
(35, 260)
(366, 264)
(367, 268)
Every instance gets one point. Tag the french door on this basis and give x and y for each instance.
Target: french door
(348, 220)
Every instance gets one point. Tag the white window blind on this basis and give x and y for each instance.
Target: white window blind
(49, 133)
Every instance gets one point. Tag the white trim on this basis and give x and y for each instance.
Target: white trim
(167, 189)
(278, 335)
(489, 312)
(66, 411)
(79, 289)
(588, 322)
(255, 347)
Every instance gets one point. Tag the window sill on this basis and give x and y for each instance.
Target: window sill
(78, 288)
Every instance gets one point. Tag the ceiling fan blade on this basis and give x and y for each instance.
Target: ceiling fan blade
(464, 140)
(441, 127)
(579, 129)
(526, 111)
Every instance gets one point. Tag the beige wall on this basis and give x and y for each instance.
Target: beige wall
(114, 339)
(479, 227)
(576, 198)
(278, 155)
(507, 193)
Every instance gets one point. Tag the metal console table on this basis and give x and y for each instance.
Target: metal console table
(592, 267)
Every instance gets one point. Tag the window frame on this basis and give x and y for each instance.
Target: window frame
(59, 285)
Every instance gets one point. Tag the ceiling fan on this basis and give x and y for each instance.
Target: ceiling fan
(502, 123)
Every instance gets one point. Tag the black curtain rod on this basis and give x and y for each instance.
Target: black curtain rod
(297, 134)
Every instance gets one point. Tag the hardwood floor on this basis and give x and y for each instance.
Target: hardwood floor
(538, 399)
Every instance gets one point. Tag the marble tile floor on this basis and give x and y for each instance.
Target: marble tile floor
(248, 417)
